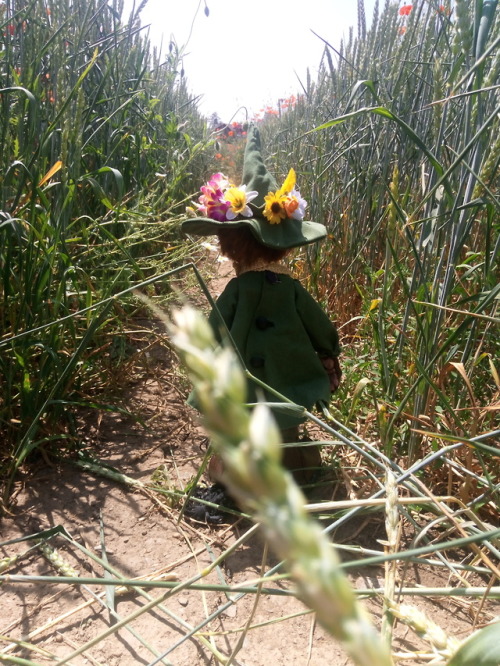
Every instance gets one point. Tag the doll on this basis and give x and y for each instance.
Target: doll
(283, 336)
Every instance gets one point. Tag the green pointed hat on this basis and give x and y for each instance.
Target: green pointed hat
(274, 215)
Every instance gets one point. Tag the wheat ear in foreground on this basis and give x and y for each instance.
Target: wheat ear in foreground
(249, 444)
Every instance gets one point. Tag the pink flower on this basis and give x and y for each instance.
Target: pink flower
(212, 201)
(219, 180)
(217, 210)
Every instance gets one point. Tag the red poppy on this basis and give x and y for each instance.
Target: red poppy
(11, 29)
(405, 10)
(218, 156)
(231, 133)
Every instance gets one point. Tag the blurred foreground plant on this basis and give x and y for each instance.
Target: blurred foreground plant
(249, 444)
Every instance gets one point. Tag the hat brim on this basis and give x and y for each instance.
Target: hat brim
(287, 234)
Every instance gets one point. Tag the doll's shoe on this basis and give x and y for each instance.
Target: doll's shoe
(215, 515)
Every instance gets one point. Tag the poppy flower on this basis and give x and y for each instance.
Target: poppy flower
(405, 10)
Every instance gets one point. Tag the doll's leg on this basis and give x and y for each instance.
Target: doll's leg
(302, 461)
(215, 468)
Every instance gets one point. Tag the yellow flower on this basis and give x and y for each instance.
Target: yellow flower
(239, 199)
(289, 183)
(275, 207)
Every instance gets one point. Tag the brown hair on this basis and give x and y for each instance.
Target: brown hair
(241, 246)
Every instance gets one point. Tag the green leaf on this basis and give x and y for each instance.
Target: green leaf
(118, 179)
(109, 589)
(480, 649)
(386, 113)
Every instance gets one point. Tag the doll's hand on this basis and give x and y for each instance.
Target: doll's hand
(332, 367)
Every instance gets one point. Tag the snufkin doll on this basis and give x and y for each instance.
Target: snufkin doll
(282, 335)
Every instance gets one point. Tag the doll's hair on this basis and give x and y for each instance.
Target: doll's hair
(241, 246)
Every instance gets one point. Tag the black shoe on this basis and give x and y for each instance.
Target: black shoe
(215, 494)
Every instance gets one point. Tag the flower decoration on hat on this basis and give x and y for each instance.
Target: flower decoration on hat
(239, 199)
(274, 215)
(285, 202)
(275, 210)
(212, 202)
(223, 202)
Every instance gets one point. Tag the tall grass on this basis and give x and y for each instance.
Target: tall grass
(397, 145)
(99, 142)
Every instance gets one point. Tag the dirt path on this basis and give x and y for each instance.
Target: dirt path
(144, 537)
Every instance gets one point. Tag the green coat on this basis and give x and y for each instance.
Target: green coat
(281, 334)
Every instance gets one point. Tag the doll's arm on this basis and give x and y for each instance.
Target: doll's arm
(322, 333)
(333, 370)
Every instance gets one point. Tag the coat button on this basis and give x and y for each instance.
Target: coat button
(257, 362)
(272, 278)
(263, 323)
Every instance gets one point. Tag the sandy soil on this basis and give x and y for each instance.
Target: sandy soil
(143, 537)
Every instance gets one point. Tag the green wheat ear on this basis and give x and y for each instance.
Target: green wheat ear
(249, 445)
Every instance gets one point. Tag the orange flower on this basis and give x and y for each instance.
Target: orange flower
(291, 206)
(405, 10)
(218, 156)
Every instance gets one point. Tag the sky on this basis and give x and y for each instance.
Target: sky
(248, 52)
